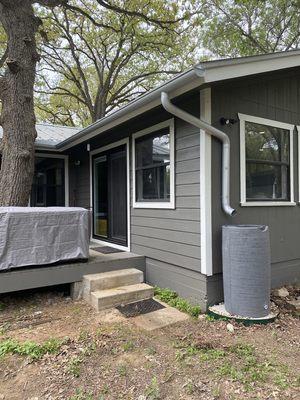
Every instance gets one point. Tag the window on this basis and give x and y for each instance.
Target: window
(266, 161)
(153, 166)
(48, 187)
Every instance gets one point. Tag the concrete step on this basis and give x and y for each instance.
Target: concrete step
(111, 279)
(102, 299)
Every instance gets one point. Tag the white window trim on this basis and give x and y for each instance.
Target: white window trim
(156, 204)
(98, 151)
(290, 127)
(66, 158)
(298, 134)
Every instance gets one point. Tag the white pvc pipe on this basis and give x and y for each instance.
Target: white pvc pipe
(168, 106)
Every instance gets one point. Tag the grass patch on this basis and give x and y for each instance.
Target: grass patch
(249, 370)
(80, 394)
(2, 306)
(74, 366)
(122, 370)
(211, 354)
(152, 391)
(172, 299)
(128, 346)
(238, 363)
(30, 349)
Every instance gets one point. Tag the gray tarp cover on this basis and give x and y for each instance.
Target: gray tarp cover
(42, 235)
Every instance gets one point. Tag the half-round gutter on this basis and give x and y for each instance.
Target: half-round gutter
(168, 106)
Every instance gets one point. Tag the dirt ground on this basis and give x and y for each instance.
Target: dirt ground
(103, 356)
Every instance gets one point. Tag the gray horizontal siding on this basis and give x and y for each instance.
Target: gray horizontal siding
(173, 236)
(183, 262)
(187, 166)
(166, 224)
(182, 213)
(188, 189)
(188, 284)
(275, 97)
(182, 249)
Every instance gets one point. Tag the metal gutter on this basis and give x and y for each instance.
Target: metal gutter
(168, 106)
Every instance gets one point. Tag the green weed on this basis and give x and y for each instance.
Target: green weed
(190, 388)
(83, 335)
(31, 349)
(80, 394)
(172, 299)
(128, 346)
(151, 351)
(211, 354)
(74, 366)
(122, 370)
(2, 306)
(152, 391)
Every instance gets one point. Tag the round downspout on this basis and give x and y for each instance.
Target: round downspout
(172, 109)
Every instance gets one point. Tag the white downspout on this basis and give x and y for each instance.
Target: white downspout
(168, 106)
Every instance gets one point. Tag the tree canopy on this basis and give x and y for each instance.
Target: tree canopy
(96, 60)
(235, 28)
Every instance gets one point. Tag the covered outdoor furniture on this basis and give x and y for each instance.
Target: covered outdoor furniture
(42, 235)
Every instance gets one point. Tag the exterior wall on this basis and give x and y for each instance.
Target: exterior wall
(170, 239)
(273, 97)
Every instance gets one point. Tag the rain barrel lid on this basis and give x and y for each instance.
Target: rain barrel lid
(246, 227)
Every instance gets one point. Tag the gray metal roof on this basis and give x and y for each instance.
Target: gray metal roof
(51, 135)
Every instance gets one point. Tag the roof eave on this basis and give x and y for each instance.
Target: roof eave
(215, 71)
(181, 84)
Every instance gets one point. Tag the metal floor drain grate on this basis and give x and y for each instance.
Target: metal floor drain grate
(106, 250)
(139, 307)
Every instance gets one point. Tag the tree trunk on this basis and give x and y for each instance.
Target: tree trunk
(16, 94)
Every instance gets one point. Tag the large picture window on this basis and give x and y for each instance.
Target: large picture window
(154, 167)
(48, 187)
(266, 161)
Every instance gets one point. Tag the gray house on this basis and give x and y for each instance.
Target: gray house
(153, 175)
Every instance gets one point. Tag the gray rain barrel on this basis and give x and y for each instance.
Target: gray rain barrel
(246, 270)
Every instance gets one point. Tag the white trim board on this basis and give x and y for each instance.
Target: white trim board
(298, 135)
(99, 151)
(205, 186)
(66, 158)
(263, 121)
(153, 205)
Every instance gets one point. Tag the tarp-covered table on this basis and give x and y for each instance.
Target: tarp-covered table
(42, 235)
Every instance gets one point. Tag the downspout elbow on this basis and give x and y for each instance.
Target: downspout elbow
(191, 119)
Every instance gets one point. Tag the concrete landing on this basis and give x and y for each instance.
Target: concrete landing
(160, 318)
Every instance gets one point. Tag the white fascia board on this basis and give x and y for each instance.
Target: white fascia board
(238, 68)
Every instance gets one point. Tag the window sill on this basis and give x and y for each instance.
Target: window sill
(268, 203)
(154, 205)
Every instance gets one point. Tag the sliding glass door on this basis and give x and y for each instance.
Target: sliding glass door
(110, 196)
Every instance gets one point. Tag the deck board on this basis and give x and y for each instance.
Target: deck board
(50, 275)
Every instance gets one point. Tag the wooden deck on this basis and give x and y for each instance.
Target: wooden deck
(50, 275)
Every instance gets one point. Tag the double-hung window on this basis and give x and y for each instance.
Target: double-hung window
(266, 161)
(153, 167)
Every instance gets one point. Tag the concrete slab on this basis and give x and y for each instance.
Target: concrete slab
(159, 319)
